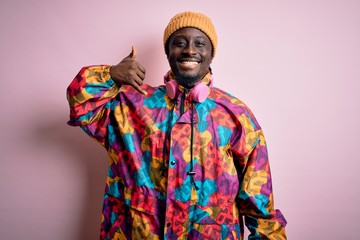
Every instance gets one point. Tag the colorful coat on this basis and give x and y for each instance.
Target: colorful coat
(177, 169)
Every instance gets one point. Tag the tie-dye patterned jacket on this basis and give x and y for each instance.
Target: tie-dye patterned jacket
(178, 169)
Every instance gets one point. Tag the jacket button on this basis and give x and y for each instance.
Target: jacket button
(168, 224)
(172, 162)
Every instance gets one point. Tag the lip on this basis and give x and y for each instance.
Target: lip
(187, 59)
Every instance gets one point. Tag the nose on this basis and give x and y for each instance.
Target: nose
(190, 49)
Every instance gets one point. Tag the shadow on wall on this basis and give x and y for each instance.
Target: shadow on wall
(91, 158)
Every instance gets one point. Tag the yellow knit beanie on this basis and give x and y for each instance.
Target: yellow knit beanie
(195, 20)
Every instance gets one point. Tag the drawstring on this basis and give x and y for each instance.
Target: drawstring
(191, 173)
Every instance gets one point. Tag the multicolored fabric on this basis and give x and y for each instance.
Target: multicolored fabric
(150, 140)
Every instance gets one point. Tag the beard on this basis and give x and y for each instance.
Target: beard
(187, 81)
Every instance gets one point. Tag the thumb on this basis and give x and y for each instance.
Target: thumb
(132, 55)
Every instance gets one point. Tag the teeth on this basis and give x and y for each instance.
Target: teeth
(190, 63)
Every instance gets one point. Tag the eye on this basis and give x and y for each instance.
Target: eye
(199, 44)
(179, 43)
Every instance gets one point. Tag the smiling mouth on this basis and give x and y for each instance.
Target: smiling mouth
(188, 64)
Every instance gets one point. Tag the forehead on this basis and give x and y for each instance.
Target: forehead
(189, 32)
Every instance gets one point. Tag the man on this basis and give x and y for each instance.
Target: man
(186, 160)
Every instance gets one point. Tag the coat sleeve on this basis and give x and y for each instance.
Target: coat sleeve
(90, 97)
(255, 195)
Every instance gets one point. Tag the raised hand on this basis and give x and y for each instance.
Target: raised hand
(129, 72)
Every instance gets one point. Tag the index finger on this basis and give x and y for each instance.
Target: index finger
(138, 88)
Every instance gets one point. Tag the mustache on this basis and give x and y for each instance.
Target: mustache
(186, 57)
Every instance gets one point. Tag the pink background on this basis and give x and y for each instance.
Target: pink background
(295, 63)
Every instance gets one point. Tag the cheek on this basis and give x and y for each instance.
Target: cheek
(172, 62)
(207, 60)
(171, 58)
